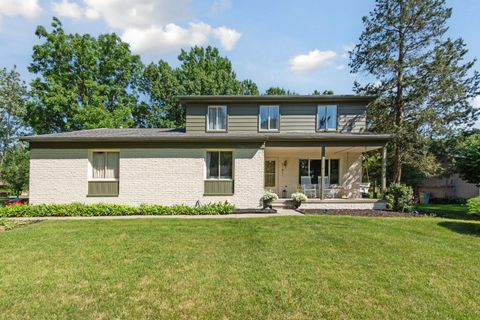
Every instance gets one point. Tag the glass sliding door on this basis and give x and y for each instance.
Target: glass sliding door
(313, 168)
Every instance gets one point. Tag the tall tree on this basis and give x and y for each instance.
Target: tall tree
(13, 98)
(202, 71)
(14, 169)
(279, 91)
(324, 93)
(83, 81)
(422, 80)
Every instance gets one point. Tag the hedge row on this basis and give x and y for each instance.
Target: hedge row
(78, 209)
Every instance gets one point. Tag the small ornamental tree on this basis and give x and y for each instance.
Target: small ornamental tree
(400, 197)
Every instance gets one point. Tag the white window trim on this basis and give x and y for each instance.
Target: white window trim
(216, 120)
(268, 122)
(206, 170)
(336, 119)
(90, 167)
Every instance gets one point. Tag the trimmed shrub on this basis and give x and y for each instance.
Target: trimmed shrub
(83, 210)
(400, 198)
(474, 205)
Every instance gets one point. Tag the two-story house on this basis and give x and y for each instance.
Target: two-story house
(233, 148)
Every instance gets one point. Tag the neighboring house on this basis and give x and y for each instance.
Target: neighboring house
(449, 187)
(232, 149)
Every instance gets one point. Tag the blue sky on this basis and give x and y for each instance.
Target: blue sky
(300, 45)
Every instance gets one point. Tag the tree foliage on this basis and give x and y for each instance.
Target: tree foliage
(424, 84)
(13, 98)
(324, 93)
(82, 81)
(14, 169)
(279, 91)
(468, 159)
(202, 71)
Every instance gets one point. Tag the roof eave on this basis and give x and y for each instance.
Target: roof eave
(275, 98)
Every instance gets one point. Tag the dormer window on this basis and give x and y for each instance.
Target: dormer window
(217, 118)
(327, 118)
(269, 117)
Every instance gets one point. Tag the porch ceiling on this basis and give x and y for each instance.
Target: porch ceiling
(330, 151)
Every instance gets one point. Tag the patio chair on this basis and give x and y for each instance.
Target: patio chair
(307, 187)
(329, 189)
(364, 187)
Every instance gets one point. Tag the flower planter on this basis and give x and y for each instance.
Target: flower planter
(296, 204)
(267, 204)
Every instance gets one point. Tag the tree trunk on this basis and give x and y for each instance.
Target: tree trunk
(399, 103)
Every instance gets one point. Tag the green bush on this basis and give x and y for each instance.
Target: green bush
(399, 197)
(83, 210)
(474, 205)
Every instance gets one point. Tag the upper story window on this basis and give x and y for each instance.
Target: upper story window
(217, 118)
(327, 117)
(269, 118)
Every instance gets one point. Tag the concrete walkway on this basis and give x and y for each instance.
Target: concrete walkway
(280, 213)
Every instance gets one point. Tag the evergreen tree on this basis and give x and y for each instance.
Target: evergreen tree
(424, 84)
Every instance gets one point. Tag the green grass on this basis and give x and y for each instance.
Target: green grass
(451, 211)
(278, 268)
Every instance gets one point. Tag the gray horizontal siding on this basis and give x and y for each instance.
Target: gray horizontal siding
(243, 117)
(298, 118)
(293, 118)
(218, 187)
(196, 116)
(352, 118)
(103, 188)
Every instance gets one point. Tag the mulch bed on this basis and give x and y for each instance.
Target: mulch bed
(360, 213)
(255, 211)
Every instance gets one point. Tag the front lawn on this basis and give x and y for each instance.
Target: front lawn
(280, 267)
(451, 211)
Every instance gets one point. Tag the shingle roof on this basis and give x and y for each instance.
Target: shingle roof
(180, 135)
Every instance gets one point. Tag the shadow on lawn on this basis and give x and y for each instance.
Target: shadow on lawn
(462, 227)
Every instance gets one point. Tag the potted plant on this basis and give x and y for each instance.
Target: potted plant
(268, 197)
(298, 198)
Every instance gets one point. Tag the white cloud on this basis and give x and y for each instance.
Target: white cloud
(220, 5)
(312, 60)
(172, 36)
(29, 9)
(140, 14)
(67, 9)
(152, 25)
(228, 37)
(340, 67)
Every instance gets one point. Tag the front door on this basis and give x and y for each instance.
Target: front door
(271, 180)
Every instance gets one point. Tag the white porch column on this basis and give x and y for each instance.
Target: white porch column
(322, 183)
(384, 171)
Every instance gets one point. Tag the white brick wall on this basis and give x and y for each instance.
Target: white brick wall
(149, 176)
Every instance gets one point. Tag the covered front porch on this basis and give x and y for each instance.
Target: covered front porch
(330, 175)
